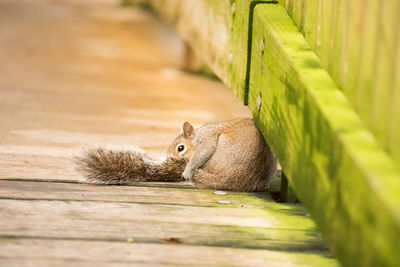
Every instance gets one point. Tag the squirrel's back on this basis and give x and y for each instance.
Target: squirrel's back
(242, 160)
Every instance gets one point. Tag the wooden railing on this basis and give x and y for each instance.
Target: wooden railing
(322, 81)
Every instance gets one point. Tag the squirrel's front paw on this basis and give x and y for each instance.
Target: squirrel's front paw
(188, 174)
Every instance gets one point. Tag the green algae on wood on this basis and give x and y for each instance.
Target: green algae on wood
(357, 43)
(338, 170)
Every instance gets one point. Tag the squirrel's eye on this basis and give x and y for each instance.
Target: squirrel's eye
(181, 148)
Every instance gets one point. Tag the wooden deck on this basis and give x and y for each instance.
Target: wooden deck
(82, 73)
(56, 222)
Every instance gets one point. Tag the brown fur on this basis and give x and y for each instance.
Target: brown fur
(107, 166)
(230, 155)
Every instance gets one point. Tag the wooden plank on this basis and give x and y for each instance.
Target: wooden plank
(395, 100)
(298, 13)
(351, 69)
(53, 252)
(337, 168)
(356, 42)
(179, 199)
(370, 35)
(382, 110)
(221, 227)
(339, 37)
(33, 166)
(163, 193)
(325, 31)
(149, 217)
(311, 17)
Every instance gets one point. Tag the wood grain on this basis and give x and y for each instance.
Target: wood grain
(39, 252)
(365, 43)
(336, 166)
(39, 215)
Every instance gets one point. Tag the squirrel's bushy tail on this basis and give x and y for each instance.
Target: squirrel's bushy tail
(108, 166)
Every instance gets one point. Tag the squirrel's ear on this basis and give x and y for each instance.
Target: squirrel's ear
(188, 130)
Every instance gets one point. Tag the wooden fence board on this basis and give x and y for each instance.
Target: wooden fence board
(368, 46)
(365, 44)
(395, 101)
(337, 168)
(310, 21)
(384, 77)
(339, 36)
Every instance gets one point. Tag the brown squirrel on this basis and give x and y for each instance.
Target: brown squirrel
(230, 155)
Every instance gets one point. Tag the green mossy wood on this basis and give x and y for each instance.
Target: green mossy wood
(358, 44)
(337, 168)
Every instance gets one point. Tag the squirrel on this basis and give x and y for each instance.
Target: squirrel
(230, 155)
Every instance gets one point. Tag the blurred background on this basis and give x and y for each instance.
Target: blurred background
(78, 73)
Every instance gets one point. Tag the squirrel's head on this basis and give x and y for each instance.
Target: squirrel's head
(182, 146)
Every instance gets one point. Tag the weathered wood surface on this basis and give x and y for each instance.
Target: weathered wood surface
(143, 218)
(358, 43)
(78, 73)
(99, 253)
(337, 168)
(124, 254)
